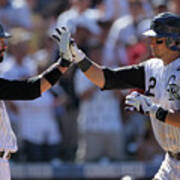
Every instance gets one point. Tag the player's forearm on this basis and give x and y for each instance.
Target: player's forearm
(93, 72)
(33, 87)
(45, 84)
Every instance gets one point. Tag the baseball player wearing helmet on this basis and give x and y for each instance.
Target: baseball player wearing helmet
(23, 90)
(159, 77)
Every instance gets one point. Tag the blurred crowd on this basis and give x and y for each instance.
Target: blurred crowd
(76, 121)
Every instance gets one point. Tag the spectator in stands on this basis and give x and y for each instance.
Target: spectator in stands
(123, 32)
(77, 14)
(100, 134)
(115, 9)
(42, 137)
(174, 6)
(160, 6)
(15, 13)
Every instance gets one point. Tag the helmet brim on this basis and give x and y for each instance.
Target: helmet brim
(5, 35)
(150, 33)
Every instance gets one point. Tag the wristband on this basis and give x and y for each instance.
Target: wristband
(85, 64)
(161, 114)
(64, 63)
(52, 74)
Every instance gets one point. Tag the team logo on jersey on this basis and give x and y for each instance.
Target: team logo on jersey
(173, 89)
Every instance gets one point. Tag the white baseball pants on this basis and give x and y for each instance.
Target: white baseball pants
(5, 173)
(169, 170)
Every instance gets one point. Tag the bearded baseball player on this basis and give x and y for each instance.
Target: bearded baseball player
(23, 90)
(159, 77)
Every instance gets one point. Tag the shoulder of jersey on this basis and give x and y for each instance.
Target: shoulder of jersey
(154, 62)
(177, 64)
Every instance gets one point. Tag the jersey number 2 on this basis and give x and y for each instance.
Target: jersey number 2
(152, 84)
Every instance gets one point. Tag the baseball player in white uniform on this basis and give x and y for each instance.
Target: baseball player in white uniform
(159, 77)
(22, 90)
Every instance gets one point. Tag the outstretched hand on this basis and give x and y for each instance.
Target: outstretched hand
(67, 46)
(63, 38)
(78, 54)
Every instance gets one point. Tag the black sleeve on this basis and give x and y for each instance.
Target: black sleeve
(125, 77)
(19, 90)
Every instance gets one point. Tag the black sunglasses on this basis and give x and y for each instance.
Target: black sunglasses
(159, 41)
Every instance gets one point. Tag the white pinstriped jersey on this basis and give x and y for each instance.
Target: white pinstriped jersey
(8, 140)
(163, 86)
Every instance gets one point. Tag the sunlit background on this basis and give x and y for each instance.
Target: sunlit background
(75, 130)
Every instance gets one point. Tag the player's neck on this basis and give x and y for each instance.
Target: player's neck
(170, 57)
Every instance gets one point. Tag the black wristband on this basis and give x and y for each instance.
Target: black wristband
(161, 114)
(85, 64)
(64, 63)
(52, 74)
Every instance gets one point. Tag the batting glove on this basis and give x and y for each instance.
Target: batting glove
(78, 54)
(62, 38)
(141, 103)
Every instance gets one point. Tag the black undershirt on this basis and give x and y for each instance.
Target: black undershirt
(19, 89)
(125, 77)
(121, 78)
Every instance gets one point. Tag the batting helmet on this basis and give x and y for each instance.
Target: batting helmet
(4, 34)
(166, 25)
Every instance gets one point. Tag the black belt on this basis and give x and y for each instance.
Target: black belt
(174, 155)
(7, 156)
